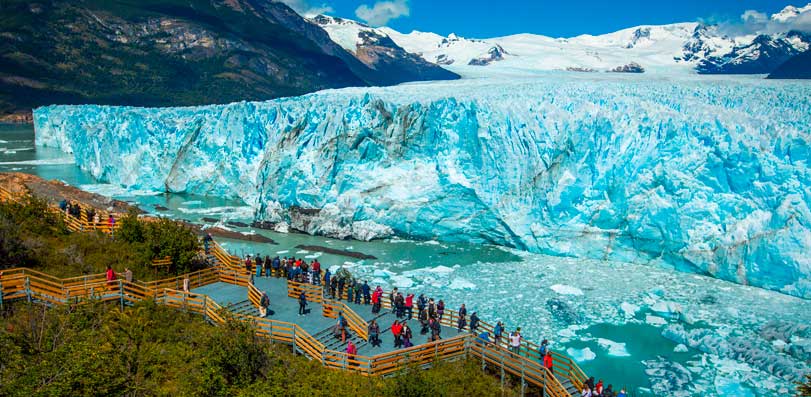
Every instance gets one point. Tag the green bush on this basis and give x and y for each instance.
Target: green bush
(32, 236)
(804, 388)
(151, 350)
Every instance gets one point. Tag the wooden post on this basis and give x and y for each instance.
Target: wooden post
(28, 289)
(121, 292)
(1, 294)
(205, 308)
(502, 371)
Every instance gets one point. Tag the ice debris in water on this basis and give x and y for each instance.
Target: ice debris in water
(566, 290)
(581, 355)
(707, 175)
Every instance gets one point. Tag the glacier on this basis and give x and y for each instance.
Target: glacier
(703, 175)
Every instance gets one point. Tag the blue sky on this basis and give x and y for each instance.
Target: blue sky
(561, 18)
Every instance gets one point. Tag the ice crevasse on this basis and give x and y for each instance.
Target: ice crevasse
(702, 176)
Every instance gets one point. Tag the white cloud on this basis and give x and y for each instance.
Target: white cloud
(756, 22)
(383, 11)
(304, 8)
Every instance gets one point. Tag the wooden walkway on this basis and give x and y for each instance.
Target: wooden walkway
(225, 292)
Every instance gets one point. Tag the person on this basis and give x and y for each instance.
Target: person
(399, 304)
(586, 391)
(96, 220)
(277, 264)
(515, 341)
(357, 293)
(376, 302)
(598, 388)
(327, 280)
(302, 303)
(440, 310)
(341, 283)
(206, 242)
(423, 317)
(351, 351)
(407, 335)
(110, 276)
(259, 265)
(63, 205)
(264, 302)
(543, 348)
(374, 333)
(431, 308)
(111, 222)
(350, 291)
(365, 289)
(474, 322)
(589, 382)
(622, 393)
(248, 266)
(421, 303)
(316, 268)
(547, 361)
(128, 274)
(186, 284)
(340, 326)
(436, 329)
(497, 331)
(392, 295)
(409, 305)
(609, 391)
(397, 331)
(462, 323)
(267, 266)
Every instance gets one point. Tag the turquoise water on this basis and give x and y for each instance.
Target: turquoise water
(517, 288)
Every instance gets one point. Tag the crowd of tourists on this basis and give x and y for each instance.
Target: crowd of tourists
(74, 209)
(429, 312)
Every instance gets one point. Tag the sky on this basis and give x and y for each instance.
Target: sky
(556, 18)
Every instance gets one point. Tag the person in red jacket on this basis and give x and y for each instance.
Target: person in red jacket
(409, 305)
(547, 360)
(110, 276)
(599, 388)
(397, 331)
(351, 351)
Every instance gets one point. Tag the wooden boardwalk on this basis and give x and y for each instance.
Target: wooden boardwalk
(224, 292)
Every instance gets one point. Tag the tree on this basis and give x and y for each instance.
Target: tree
(804, 388)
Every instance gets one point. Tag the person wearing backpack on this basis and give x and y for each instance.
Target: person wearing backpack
(302, 304)
(264, 302)
(374, 334)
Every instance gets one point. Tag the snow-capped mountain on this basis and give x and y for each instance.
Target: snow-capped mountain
(682, 47)
(377, 51)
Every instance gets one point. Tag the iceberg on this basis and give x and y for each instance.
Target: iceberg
(704, 175)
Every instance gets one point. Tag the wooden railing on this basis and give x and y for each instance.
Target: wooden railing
(356, 323)
(230, 261)
(313, 293)
(254, 295)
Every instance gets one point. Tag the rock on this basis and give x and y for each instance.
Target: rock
(632, 67)
(334, 251)
(562, 311)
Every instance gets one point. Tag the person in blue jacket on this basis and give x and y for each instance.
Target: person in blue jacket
(367, 297)
(302, 304)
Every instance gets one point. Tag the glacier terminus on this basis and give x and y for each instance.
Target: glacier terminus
(700, 174)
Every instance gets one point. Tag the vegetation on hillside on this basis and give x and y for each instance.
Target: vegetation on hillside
(804, 388)
(31, 236)
(151, 350)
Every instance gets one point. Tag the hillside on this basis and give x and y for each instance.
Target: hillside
(161, 53)
(798, 67)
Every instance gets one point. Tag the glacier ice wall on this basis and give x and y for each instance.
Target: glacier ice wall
(707, 176)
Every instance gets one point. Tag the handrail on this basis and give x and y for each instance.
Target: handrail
(313, 293)
(356, 323)
(254, 295)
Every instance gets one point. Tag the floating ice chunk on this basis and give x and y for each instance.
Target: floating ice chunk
(615, 349)
(383, 273)
(629, 309)
(566, 289)
(680, 348)
(655, 320)
(401, 281)
(282, 251)
(110, 190)
(581, 355)
(667, 309)
(313, 256)
(300, 252)
(430, 242)
(191, 203)
(440, 270)
(461, 283)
